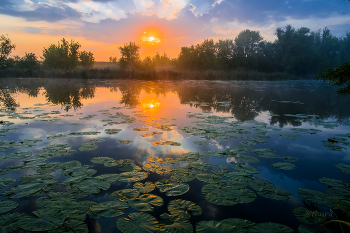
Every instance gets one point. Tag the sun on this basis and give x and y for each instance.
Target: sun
(149, 39)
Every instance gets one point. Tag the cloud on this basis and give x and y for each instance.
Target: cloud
(44, 12)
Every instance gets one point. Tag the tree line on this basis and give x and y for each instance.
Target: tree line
(295, 51)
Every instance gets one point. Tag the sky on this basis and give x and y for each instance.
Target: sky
(102, 26)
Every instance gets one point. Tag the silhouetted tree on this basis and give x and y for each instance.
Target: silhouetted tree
(87, 59)
(6, 48)
(130, 55)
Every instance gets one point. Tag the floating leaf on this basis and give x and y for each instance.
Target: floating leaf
(173, 189)
(110, 178)
(310, 217)
(88, 146)
(265, 153)
(145, 202)
(247, 159)
(184, 209)
(8, 222)
(290, 159)
(144, 188)
(124, 141)
(109, 209)
(93, 185)
(23, 190)
(6, 205)
(344, 167)
(56, 136)
(170, 143)
(133, 176)
(44, 219)
(227, 225)
(173, 224)
(283, 166)
(4, 181)
(84, 133)
(151, 134)
(200, 143)
(125, 194)
(288, 136)
(312, 196)
(270, 227)
(112, 131)
(18, 155)
(138, 222)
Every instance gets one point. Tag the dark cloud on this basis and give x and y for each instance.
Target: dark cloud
(44, 12)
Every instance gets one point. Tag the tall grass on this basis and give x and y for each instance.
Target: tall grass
(165, 74)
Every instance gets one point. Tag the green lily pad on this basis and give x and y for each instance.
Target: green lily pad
(344, 167)
(125, 194)
(189, 157)
(6, 205)
(23, 190)
(269, 190)
(247, 159)
(9, 222)
(151, 134)
(93, 185)
(18, 154)
(200, 143)
(208, 178)
(288, 136)
(173, 189)
(227, 225)
(44, 219)
(36, 178)
(184, 209)
(170, 143)
(145, 202)
(112, 131)
(133, 176)
(228, 194)
(270, 227)
(144, 188)
(56, 136)
(84, 133)
(173, 224)
(88, 146)
(332, 182)
(307, 131)
(138, 222)
(109, 209)
(125, 141)
(140, 129)
(312, 196)
(240, 167)
(290, 159)
(110, 178)
(152, 167)
(333, 146)
(265, 153)
(97, 140)
(283, 166)
(4, 181)
(310, 217)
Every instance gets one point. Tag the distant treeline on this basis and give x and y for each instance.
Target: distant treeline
(297, 52)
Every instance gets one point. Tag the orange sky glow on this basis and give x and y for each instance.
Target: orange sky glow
(102, 26)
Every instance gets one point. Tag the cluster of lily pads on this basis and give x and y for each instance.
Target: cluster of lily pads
(67, 211)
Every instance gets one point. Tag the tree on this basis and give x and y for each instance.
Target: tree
(64, 55)
(225, 52)
(87, 59)
(339, 77)
(29, 61)
(130, 55)
(113, 59)
(6, 48)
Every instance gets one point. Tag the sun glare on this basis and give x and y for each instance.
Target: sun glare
(149, 39)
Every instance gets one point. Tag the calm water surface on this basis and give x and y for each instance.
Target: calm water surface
(301, 124)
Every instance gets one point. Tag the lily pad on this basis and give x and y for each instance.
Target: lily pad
(4, 181)
(288, 136)
(133, 176)
(6, 205)
(145, 202)
(200, 143)
(9, 222)
(88, 146)
(173, 189)
(151, 134)
(125, 194)
(184, 209)
(247, 159)
(109, 209)
(23, 190)
(18, 154)
(284, 166)
(112, 131)
(138, 222)
(265, 153)
(84, 133)
(144, 188)
(124, 141)
(344, 167)
(56, 136)
(173, 224)
(306, 216)
(270, 227)
(44, 219)
(93, 185)
(227, 225)
(312, 196)
(170, 143)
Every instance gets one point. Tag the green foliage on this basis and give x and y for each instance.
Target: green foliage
(339, 77)
(6, 48)
(87, 59)
(64, 55)
(130, 55)
(113, 59)
(29, 61)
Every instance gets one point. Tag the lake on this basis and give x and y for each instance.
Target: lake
(173, 156)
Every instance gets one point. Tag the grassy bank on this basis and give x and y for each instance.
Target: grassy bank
(108, 73)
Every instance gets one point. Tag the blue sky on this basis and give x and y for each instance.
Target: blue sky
(101, 26)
